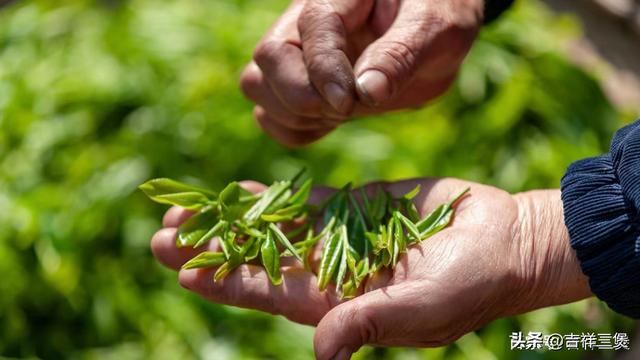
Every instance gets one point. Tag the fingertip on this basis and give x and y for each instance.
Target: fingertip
(324, 339)
(250, 80)
(344, 329)
(338, 98)
(160, 245)
(190, 278)
(164, 249)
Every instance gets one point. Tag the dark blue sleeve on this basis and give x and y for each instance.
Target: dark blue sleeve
(601, 198)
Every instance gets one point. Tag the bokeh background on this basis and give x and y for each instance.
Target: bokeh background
(98, 96)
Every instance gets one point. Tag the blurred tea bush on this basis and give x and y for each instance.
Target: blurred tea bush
(99, 96)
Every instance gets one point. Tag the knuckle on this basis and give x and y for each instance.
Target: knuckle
(365, 320)
(401, 56)
(323, 63)
(315, 14)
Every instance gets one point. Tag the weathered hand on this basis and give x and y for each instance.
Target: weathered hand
(502, 255)
(326, 60)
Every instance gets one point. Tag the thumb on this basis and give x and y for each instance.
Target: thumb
(324, 26)
(375, 317)
(390, 62)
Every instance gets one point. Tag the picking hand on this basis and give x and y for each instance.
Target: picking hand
(326, 60)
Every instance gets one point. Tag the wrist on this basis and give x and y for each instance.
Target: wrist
(546, 269)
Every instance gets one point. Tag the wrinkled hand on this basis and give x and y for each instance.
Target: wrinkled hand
(502, 255)
(326, 60)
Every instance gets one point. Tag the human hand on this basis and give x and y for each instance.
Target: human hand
(502, 255)
(326, 60)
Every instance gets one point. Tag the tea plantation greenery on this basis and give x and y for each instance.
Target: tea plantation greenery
(97, 97)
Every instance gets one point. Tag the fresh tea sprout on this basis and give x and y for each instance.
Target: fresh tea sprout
(359, 235)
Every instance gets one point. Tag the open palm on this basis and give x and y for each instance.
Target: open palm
(483, 266)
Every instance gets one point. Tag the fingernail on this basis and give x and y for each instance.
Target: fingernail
(373, 86)
(343, 354)
(336, 96)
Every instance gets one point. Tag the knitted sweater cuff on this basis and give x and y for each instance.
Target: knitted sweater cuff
(601, 198)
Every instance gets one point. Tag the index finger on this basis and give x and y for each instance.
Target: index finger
(280, 58)
(324, 26)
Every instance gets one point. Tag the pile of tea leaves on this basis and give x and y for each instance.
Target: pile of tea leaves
(360, 234)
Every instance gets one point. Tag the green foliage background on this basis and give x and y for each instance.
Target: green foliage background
(99, 96)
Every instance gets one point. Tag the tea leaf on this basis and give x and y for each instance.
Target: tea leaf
(393, 245)
(431, 219)
(227, 243)
(362, 270)
(302, 195)
(230, 195)
(222, 271)
(372, 239)
(187, 200)
(195, 227)
(331, 253)
(459, 196)
(349, 289)
(359, 215)
(164, 186)
(205, 259)
(251, 251)
(342, 267)
(298, 175)
(308, 247)
(366, 207)
(410, 209)
(234, 201)
(234, 257)
(386, 257)
(283, 240)
(271, 259)
(278, 203)
(251, 231)
(377, 264)
(412, 229)
(218, 229)
(284, 214)
(411, 194)
(267, 197)
(439, 218)
(378, 205)
(398, 235)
